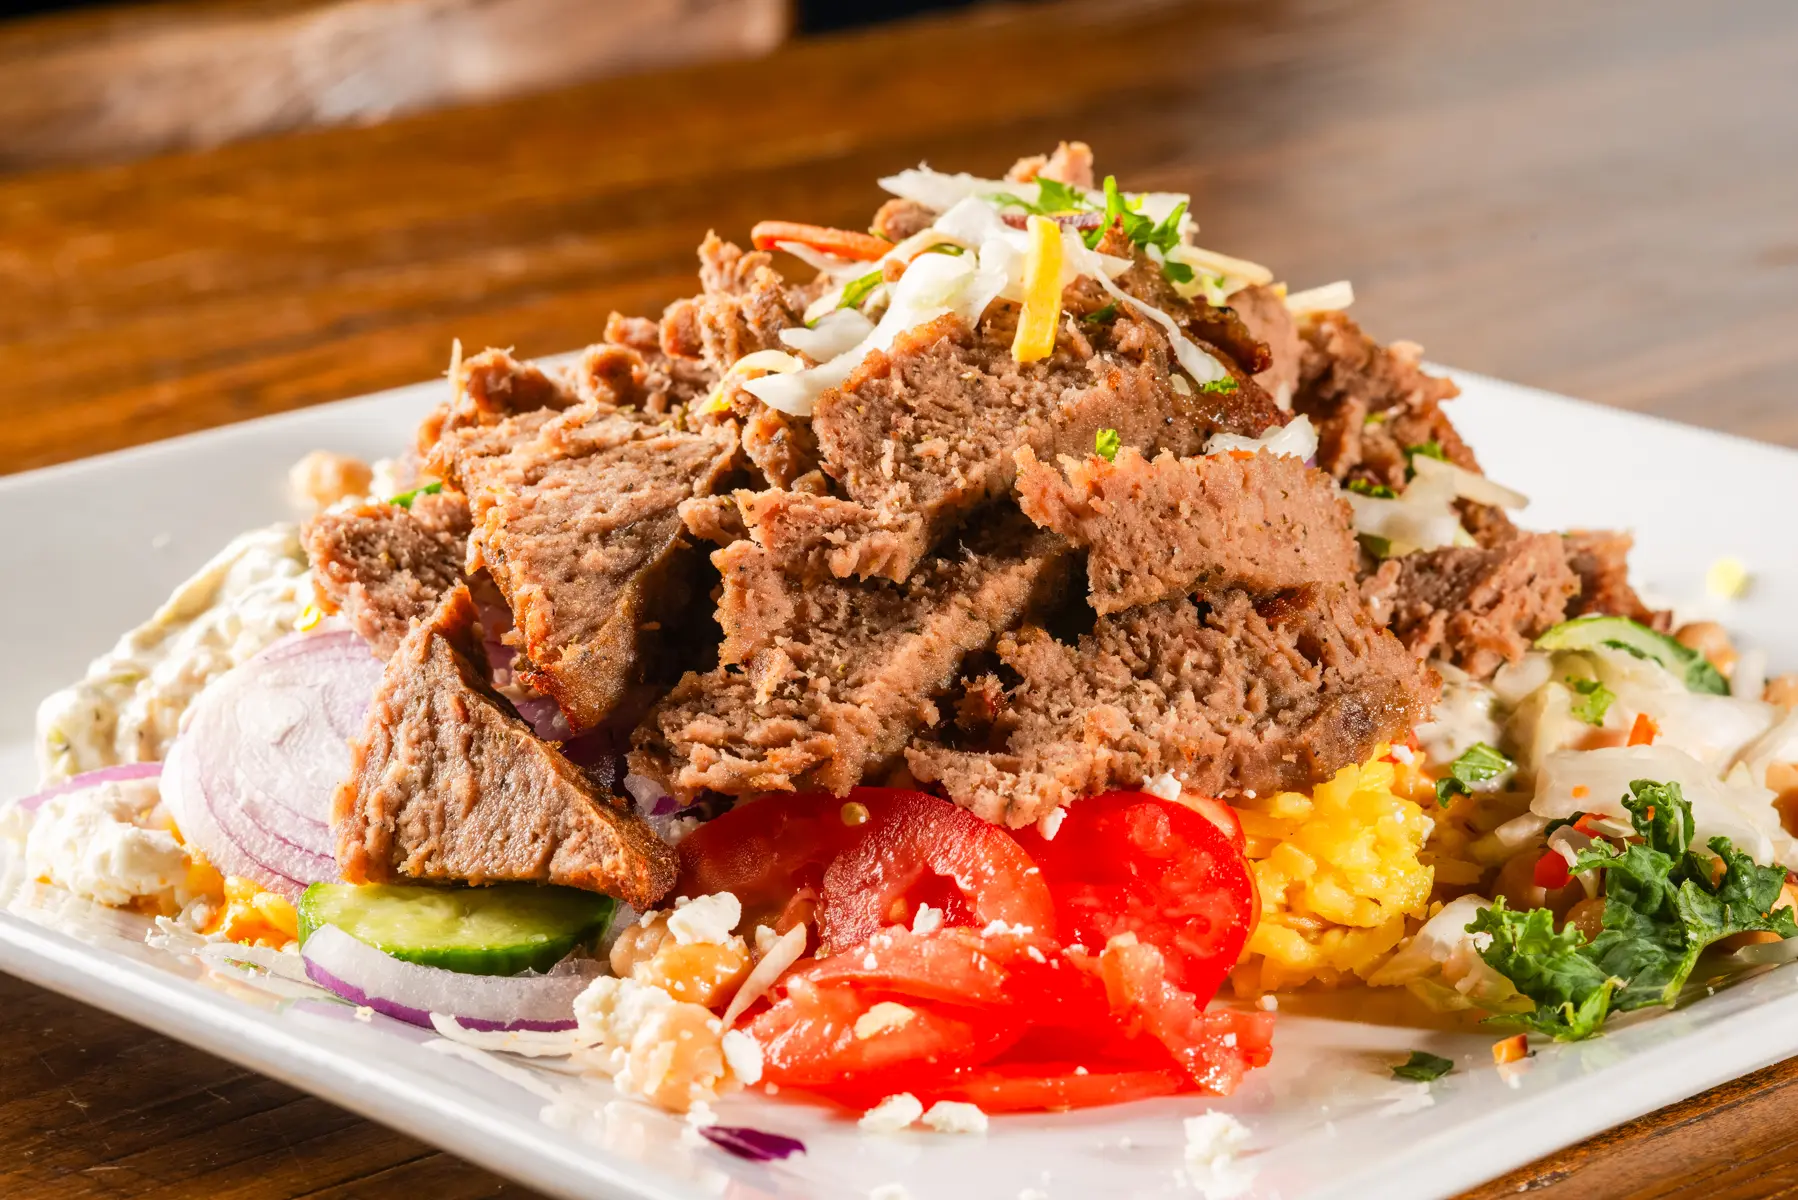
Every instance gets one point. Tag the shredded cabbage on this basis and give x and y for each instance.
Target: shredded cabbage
(1298, 438)
(835, 333)
(1331, 297)
(1467, 484)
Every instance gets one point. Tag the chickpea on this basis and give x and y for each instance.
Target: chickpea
(1711, 640)
(1587, 916)
(322, 478)
(1782, 780)
(639, 943)
(1782, 690)
(1516, 882)
(703, 973)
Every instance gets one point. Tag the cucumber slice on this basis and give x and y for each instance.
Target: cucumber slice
(1621, 633)
(499, 930)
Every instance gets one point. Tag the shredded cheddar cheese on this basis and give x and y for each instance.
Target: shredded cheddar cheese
(1035, 339)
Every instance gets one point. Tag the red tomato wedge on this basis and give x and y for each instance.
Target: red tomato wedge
(919, 849)
(1220, 815)
(1133, 863)
(844, 243)
(1053, 1086)
(1551, 871)
(809, 1039)
(1215, 1049)
(966, 967)
(766, 852)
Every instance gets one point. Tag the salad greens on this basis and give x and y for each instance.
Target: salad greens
(405, 499)
(1664, 904)
(1594, 700)
(1378, 491)
(1423, 1067)
(1477, 764)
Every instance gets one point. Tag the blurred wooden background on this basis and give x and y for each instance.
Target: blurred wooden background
(1594, 197)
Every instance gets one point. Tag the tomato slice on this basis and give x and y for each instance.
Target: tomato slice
(770, 853)
(1054, 1086)
(1129, 862)
(1220, 815)
(810, 1039)
(920, 849)
(1214, 1048)
(966, 967)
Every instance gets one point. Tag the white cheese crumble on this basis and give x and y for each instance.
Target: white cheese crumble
(663, 1050)
(93, 843)
(994, 928)
(1163, 785)
(1049, 824)
(1213, 1140)
(951, 1116)
(881, 1018)
(709, 919)
(1268, 1003)
(926, 919)
(893, 1114)
(743, 1055)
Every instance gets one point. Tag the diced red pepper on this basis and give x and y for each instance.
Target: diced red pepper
(1551, 871)
(1644, 731)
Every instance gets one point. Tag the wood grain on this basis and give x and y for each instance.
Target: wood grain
(120, 82)
(1595, 198)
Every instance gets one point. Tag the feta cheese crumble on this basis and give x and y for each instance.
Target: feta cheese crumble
(667, 1051)
(709, 919)
(926, 919)
(882, 1017)
(95, 843)
(896, 1112)
(951, 1116)
(1049, 824)
(1213, 1140)
(1163, 785)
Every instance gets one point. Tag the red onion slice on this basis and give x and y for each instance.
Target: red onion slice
(757, 1145)
(250, 779)
(409, 992)
(94, 778)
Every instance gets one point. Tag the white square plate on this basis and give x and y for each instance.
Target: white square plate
(97, 544)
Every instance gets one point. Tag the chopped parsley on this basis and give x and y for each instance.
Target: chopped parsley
(1106, 443)
(1423, 1067)
(1375, 545)
(1053, 198)
(405, 499)
(1431, 449)
(1142, 230)
(1379, 491)
(1664, 904)
(1102, 316)
(1477, 764)
(1594, 700)
(1222, 386)
(858, 289)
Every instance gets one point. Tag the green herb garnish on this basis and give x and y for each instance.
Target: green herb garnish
(1664, 904)
(1375, 545)
(859, 288)
(1106, 443)
(405, 499)
(1222, 386)
(1423, 1067)
(1477, 764)
(1594, 700)
(1052, 199)
(1142, 230)
(1378, 491)
(1102, 316)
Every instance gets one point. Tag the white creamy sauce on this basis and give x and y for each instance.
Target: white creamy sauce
(1465, 715)
(94, 843)
(128, 707)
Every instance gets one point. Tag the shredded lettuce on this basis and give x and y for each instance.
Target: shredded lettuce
(1379, 491)
(1664, 904)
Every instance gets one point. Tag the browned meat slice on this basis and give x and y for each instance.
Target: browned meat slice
(625, 375)
(819, 683)
(1600, 558)
(1478, 607)
(1263, 312)
(1072, 164)
(822, 537)
(384, 566)
(743, 306)
(447, 784)
(784, 447)
(577, 521)
(494, 386)
(1172, 526)
(713, 519)
(1371, 403)
(1238, 696)
(924, 434)
(899, 219)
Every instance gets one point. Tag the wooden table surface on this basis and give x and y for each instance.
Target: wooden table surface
(1593, 197)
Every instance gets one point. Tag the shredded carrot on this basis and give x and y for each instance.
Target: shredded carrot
(1042, 293)
(1512, 1049)
(1242, 455)
(1581, 791)
(1644, 731)
(844, 243)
